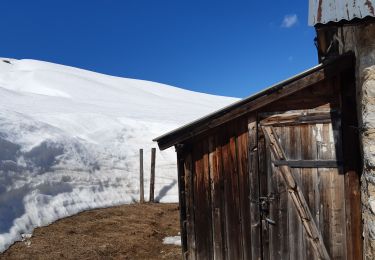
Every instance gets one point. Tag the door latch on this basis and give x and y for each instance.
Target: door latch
(270, 221)
(264, 206)
(264, 202)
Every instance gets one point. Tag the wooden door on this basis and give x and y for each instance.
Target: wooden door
(301, 186)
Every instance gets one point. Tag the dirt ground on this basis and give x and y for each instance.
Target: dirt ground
(126, 232)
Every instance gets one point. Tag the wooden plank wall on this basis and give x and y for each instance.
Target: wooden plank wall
(219, 187)
(216, 195)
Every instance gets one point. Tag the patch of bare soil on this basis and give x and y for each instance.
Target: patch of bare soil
(127, 232)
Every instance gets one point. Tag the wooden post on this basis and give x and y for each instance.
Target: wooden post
(152, 179)
(141, 185)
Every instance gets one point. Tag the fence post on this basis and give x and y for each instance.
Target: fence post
(141, 183)
(152, 179)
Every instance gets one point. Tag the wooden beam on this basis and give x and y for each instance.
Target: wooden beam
(352, 162)
(312, 232)
(298, 118)
(308, 163)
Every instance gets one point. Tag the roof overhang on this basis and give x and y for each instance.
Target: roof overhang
(285, 88)
(339, 11)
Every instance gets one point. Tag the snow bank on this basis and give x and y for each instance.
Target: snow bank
(70, 138)
(176, 240)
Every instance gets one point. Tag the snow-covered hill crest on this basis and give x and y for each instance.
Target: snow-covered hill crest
(70, 138)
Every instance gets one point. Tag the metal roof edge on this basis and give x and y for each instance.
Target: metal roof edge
(327, 11)
(346, 22)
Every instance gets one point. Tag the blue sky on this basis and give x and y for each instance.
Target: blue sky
(232, 48)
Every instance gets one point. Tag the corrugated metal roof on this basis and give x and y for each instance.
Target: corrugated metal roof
(325, 11)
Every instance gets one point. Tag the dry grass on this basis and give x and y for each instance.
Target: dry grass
(126, 232)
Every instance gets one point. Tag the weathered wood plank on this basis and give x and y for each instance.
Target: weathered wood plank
(320, 97)
(200, 228)
(333, 203)
(308, 163)
(325, 191)
(189, 195)
(217, 202)
(308, 152)
(273, 214)
(299, 118)
(339, 209)
(201, 200)
(222, 183)
(282, 211)
(263, 191)
(298, 198)
(351, 158)
(243, 183)
(254, 190)
(283, 218)
(182, 201)
(232, 213)
(207, 197)
(292, 140)
(353, 215)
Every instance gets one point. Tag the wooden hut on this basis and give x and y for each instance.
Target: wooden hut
(349, 26)
(276, 175)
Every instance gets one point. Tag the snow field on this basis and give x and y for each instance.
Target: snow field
(70, 140)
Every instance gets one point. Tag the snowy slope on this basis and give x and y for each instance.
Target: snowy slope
(69, 140)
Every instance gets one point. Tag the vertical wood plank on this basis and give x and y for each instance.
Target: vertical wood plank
(243, 183)
(332, 201)
(189, 198)
(308, 153)
(232, 216)
(351, 158)
(200, 229)
(272, 214)
(182, 201)
(296, 239)
(202, 201)
(256, 250)
(263, 191)
(283, 218)
(279, 244)
(353, 214)
(207, 197)
(217, 202)
(222, 182)
(339, 202)
(325, 195)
